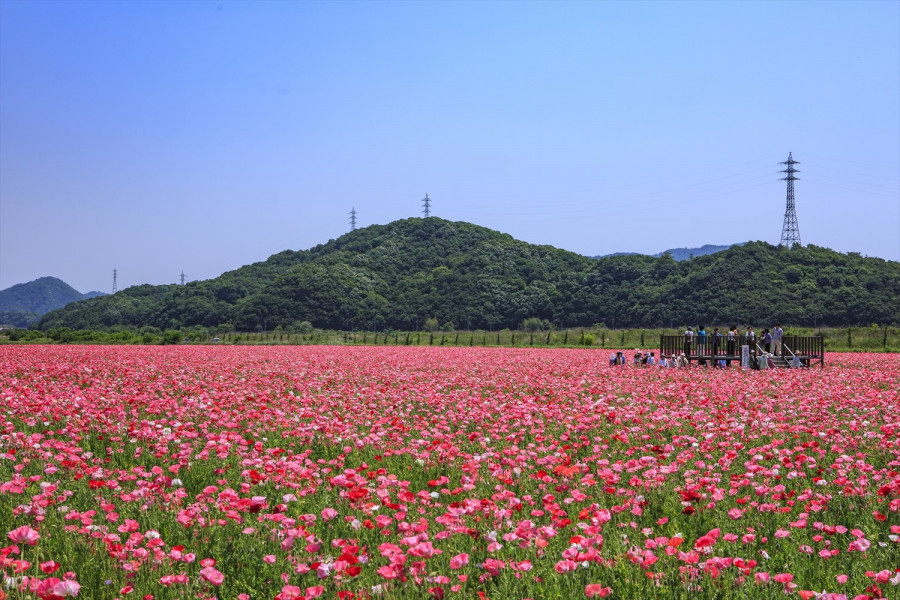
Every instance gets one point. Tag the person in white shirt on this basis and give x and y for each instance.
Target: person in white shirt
(777, 334)
(688, 338)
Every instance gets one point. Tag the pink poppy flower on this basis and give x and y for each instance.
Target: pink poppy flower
(860, 545)
(564, 566)
(388, 572)
(24, 535)
(883, 576)
(49, 566)
(459, 561)
(597, 590)
(66, 588)
(41, 588)
(289, 592)
(212, 575)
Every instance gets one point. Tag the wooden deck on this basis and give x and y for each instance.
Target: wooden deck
(810, 350)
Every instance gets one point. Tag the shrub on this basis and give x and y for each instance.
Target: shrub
(171, 336)
(536, 324)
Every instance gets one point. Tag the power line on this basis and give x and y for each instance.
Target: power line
(856, 175)
(858, 191)
(627, 204)
(856, 162)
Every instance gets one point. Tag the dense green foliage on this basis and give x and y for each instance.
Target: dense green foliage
(19, 318)
(399, 275)
(24, 303)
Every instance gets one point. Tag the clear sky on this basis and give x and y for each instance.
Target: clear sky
(156, 137)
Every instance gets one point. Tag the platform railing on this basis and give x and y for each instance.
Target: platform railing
(809, 349)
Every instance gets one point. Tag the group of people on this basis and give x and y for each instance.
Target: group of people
(720, 348)
(768, 339)
(649, 359)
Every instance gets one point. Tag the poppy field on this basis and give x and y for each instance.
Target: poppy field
(406, 472)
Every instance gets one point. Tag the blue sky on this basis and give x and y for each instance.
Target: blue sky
(170, 136)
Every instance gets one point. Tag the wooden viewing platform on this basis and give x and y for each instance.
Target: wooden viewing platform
(808, 349)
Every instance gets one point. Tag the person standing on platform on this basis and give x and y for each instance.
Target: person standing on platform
(688, 338)
(767, 341)
(730, 340)
(777, 334)
(701, 340)
(751, 339)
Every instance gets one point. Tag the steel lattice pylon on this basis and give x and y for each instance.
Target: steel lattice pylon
(790, 231)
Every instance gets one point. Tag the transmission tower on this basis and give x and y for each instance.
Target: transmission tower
(790, 231)
(426, 204)
(115, 282)
(353, 219)
(182, 278)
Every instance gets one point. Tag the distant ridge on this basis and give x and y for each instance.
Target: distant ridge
(679, 254)
(25, 303)
(464, 276)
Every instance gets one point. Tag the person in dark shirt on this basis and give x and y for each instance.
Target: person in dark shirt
(767, 340)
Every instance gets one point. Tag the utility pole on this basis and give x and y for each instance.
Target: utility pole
(353, 219)
(790, 231)
(426, 204)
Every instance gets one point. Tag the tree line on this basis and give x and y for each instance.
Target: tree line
(400, 275)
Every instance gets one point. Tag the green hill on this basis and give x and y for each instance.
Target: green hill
(400, 274)
(24, 303)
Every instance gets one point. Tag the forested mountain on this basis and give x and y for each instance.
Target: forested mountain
(24, 303)
(400, 274)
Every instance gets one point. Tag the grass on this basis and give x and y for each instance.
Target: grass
(837, 339)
